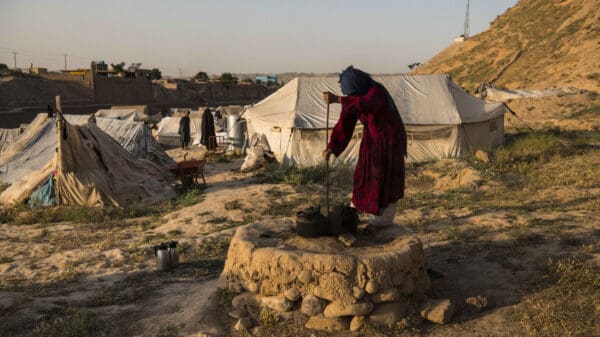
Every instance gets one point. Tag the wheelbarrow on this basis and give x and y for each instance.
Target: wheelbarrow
(189, 171)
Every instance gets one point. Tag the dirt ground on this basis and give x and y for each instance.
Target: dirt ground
(502, 235)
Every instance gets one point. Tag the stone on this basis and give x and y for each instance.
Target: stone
(292, 294)
(357, 323)
(326, 324)
(347, 239)
(338, 309)
(437, 310)
(388, 314)
(243, 300)
(238, 313)
(386, 295)
(243, 324)
(258, 331)
(482, 156)
(477, 303)
(408, 286)
(372, 287)
(312, 305)
(304, 277)
(358, 292)
(334, 286)
(277, 303)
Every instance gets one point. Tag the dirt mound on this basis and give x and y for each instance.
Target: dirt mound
(451, 174)
(535, 44)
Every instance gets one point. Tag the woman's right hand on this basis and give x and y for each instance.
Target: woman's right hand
(330, 97)
(326, 154)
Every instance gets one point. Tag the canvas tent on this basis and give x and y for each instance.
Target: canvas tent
(8, 136)
(130, 114)
(442, 120)
(91, 167)
(168, 131)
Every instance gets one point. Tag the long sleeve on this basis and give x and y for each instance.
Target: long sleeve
(343, 130)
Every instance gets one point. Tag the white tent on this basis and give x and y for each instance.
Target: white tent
(442, 120)
(129, 114)
(91, 167)
(168, 131)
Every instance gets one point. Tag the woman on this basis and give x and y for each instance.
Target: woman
(379, 174)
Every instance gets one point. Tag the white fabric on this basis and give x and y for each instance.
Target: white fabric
(293, 118)
(385, 218)
(132, 115)
(8, 136)
(168, 131)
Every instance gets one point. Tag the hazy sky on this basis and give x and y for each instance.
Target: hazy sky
(236, 35)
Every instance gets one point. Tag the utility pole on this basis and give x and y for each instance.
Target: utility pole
(179, 72)
(15, 57)
(466, 34)
(65, 62)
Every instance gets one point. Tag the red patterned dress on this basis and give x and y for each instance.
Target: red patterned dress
(379, 174)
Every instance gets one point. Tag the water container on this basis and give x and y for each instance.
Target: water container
(235, 130)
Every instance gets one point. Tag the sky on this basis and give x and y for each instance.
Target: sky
(238, 36)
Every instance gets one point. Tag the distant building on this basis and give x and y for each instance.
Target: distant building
(266, 79)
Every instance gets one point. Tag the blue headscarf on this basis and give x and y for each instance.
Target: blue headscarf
(356, 82)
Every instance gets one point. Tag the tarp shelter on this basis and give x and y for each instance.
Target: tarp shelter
(131, 115)
(91, 167)
(442, 120)
(168, 131)
(8, 136)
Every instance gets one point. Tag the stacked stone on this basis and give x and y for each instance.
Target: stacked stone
(335, 290)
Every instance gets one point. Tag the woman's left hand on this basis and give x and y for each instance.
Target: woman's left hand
(326, 154)
(330, 97)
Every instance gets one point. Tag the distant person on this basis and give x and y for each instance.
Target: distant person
(184, 130)
(379, 175)
(208, 130)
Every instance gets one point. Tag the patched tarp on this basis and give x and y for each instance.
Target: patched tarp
(122, 114)
(8, 136)
(92, 168)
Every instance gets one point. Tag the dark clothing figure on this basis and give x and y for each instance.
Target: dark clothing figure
(208, 130)
(379, 175)
(184, 131)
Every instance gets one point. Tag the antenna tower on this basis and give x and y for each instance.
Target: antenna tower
(466, 34)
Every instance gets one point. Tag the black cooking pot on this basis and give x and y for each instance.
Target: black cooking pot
(343, 219)
(310, 223)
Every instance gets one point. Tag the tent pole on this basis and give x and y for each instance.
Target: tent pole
(327, 160)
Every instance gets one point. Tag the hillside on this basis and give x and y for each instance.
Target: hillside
(535, 44)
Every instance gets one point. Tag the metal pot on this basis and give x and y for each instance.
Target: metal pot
(163, 262)
(343, 219)
(310, 223)
(173, 256)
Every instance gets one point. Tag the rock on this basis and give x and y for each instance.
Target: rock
(357, 322)
(243, 300)
(347, 239)
(277, 303)
(258, 331)
(482, 156)
(477, 303)
(335, 286)
(312, 305)
(437, 311)
(326, 324)
(372, 287)
(292, 294)
(386, 295)
(238, 313)
(408, 286)
(243, 324)
(358, 292)
(304, 277)
(338, 309)
(388, 314)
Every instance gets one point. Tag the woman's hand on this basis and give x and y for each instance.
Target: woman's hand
(330, 97)
(326, 154)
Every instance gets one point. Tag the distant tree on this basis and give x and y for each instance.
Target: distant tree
(228, 78)
(155, 74)
(247, 80)
(201, 77)
(3, 67)
(118, 68)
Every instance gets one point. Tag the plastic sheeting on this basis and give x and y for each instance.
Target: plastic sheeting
(8, 136)
(432, 107)
(132, 115)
